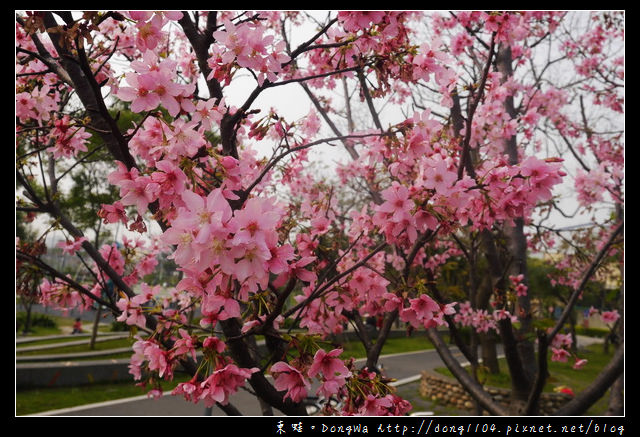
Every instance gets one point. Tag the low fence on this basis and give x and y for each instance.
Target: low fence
(71, 373)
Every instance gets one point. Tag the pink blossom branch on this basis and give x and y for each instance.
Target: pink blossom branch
(274, 161)
(465, 159)
(320, 289)
(307, 45)
(267, 84)
(368, 99)
(585, 279)
(45, 57)
(375, 195)
(200, 44)
(544, 340)
(601, 383)
(69, 281)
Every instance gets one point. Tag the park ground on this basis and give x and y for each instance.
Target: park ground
(38, 400)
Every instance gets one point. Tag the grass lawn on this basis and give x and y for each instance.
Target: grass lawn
(63, 326)
(99, 346)
(392, 346)
(62, 339)
(45, 399)
(88, 358)
(562, 374)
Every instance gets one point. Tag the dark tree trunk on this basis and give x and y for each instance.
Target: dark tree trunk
(489, 352)
(616, 398)
(516, 239)
(94, 331)
(27, 321)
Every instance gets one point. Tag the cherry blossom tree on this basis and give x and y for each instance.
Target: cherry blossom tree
(458, 133)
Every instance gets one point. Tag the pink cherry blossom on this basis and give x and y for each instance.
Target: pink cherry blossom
(157, 359)
(208, 114)
(609, 317)
(113, 213)
(397, 202)
(71, 247)
(436, 175)
(257, 232)
(579, 364)
(186, 344)
(290, 379)
(131, 313)
(150, 33)
(375, 406)
(214, 344)
(68, 141)
(167, 91)
(328, 364)
(562, 341)
(560, 355)
(140, 92)
(420, 312)
(354, 21)
(139, 192)
(56, 294)
(190, 390)
(224, 382)
(224, 305)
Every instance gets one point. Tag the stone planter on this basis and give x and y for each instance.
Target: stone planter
(447, 391)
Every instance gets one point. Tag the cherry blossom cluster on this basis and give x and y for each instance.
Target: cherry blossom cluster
(426, 192)
(561, 351)
(590, 53)
(36, 104)
(480, 319)
(378, 40)
(222, 378)
(68, 141)
(149, 26)
(607, 317)
(519, 288)
(153, 82)
(569, 270)
(364, 392)
(217, 387)
(509, 27)
(59, 295)
(133, 260)
(246, 45)
(425, 312)
(593, 186)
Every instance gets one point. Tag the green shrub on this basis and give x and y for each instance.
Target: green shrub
(119, 326)
(592, 332)
(37, 320)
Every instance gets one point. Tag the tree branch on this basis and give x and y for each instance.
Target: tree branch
(369, 100)
(465, 159)
(473, 387)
